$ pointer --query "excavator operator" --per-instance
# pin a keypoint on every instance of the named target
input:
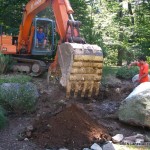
(41, 40)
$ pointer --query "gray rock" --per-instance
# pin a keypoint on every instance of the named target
(147, 138)
(117, 138)
(29, 128)
(63, 149)
(135, 109)
(133, 138)
(26, 139)
(15, 88)
(86, 149)
(32, 87)
(139, 141)
(96, 147)
(108, 146)
(9, 86)
(136, 77)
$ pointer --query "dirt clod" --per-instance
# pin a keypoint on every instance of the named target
(71, 128)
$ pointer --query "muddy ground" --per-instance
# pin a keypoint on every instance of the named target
(59, 122)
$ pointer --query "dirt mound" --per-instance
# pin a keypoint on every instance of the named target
(71, 128)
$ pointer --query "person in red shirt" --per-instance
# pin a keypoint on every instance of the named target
(144, 67)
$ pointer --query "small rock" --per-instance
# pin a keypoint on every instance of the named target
(30, 128)
(134, 137)
(127, 142)
(48, 125)
(26, 139)
(86, 149)
(93, 101)
(147, 138)
(62, 102)
(118, 90)
(117, 138)
(41, 92)
(108, 146)
(96, 147)
(139, 141)
(38, 115)
(63, 149)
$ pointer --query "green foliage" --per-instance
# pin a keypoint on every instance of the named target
(15, 79)
(20, 99)
(111, 57)
(83, 14)
(142, 28)
(107, 70)
(126, 73)
(11, 14)
(125, 29)
(2, 117)
(5, 63)
(148, 59)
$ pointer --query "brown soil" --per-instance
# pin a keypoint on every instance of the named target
(71, 128)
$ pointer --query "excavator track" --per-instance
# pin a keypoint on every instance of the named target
(30, 66)
(81, 67)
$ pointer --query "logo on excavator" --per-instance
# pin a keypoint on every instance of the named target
(35, 3)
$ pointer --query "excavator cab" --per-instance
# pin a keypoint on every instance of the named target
(46, 47)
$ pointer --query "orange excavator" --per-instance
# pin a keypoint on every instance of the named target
(80, 63)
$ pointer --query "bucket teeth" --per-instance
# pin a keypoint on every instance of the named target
(86, 79)
(97, 85)
(91, 89)
(77, 88)
(68, 90)
(84, 89)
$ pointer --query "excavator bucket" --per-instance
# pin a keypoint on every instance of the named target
(81, 68)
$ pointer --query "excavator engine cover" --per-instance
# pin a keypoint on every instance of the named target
(81, 68)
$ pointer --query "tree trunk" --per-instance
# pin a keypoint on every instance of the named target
(120, 50)
(131, 13)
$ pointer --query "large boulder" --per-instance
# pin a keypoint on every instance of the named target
(19, 97)
(135, 109)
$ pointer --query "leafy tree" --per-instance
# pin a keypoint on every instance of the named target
(124, 34)
(142, 27)
(10, 14)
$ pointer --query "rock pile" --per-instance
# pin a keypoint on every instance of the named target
(137, 139)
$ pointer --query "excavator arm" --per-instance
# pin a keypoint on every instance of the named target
(80, 63)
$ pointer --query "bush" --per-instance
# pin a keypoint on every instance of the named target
(2, 117)
(5, 63)
(19, 98)
(109, 70)
(125, 73)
